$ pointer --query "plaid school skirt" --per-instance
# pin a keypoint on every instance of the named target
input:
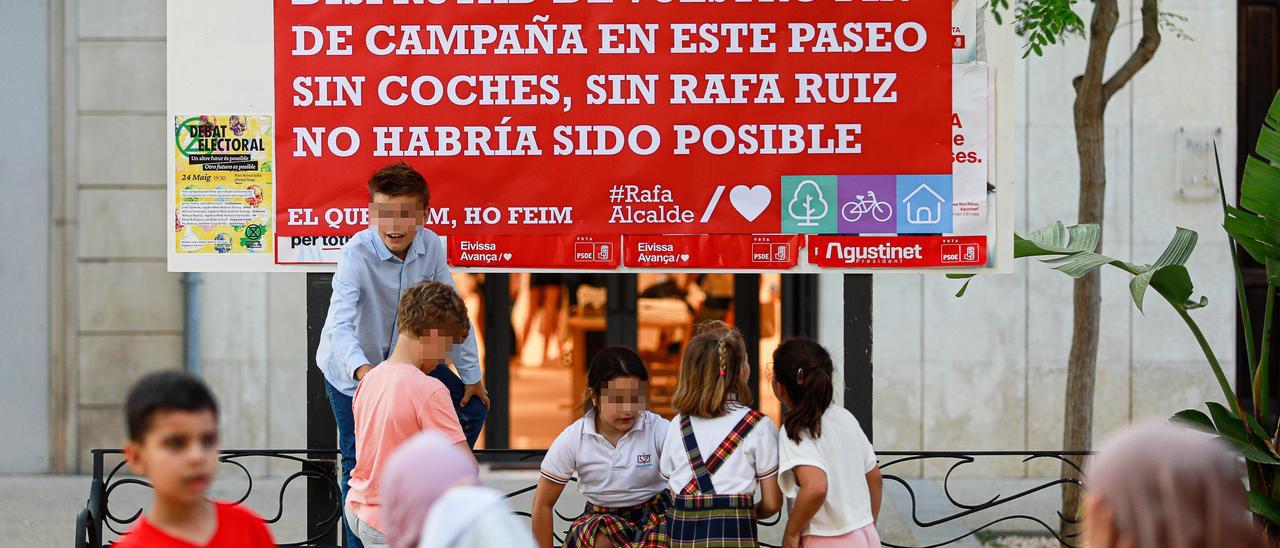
(712, 521)
(639, 526)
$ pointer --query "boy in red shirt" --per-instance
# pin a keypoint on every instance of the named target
(173, 441)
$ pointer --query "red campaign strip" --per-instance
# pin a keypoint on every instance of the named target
(897, 251)
(585, 252)
(764, 251)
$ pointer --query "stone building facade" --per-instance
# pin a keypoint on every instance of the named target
(87, 304)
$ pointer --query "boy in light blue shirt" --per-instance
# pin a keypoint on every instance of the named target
(374, 268)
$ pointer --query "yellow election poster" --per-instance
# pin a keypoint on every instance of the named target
(223, 188)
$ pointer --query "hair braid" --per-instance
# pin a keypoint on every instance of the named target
(720, 348)
(705, 389)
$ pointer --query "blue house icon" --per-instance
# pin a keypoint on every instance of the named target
(924, 204)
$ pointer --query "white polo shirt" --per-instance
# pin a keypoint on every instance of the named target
(755, 459)
(621, 476)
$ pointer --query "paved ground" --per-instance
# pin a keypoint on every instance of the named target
(40, 511)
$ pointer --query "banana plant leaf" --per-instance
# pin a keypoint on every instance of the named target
(1071, 250)
(1229, 425)
(1194, 419)
(1253, 445)
(1264, 507)
(1255, 224)
(1248, 451)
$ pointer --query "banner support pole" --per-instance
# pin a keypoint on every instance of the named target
(322, 429)
(857, 348)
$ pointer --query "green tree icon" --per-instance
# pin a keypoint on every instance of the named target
(807, 204)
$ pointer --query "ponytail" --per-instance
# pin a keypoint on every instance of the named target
(804, 369)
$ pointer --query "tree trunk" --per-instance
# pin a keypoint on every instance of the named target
(1089, 109)
(1077, 431)
(1092, 95)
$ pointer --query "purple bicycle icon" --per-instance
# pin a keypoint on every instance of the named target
(862, 205)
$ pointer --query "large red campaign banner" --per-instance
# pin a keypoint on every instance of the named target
(563, 117)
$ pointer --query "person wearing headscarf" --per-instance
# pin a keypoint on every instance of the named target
(431, 496)
(417, 474)
(1156, 485)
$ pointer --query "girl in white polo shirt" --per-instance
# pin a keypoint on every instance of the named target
(719, 451)
(613, 450)
(828, 468)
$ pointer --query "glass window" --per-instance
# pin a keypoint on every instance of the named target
(558, 322)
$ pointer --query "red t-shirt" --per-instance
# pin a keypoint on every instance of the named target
(237, 527)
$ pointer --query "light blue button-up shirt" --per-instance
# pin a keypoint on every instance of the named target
(361, 325)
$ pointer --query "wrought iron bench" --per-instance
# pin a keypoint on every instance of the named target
(318, 468)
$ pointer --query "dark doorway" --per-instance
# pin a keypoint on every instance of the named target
(1258, 79)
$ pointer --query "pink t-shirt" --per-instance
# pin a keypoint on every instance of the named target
(393, 402)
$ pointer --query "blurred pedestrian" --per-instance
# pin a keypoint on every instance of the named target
(1156, 485)
(431, 496)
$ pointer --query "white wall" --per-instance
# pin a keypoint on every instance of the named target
(24, 249)
(988, 371)
(254, 354)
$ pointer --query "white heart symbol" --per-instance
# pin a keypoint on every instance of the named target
(750, 201)
(684, 257)
(506, 256)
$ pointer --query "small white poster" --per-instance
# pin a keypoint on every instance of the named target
(970, 153)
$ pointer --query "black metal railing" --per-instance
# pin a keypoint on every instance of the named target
(1002, 505)
(320, 466)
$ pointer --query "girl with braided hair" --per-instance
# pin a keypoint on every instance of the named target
(720, 452)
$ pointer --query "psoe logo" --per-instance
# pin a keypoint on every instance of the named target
(960, 253)
(765, 252)
(644, 460)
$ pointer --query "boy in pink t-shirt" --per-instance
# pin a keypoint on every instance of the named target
(397, 399)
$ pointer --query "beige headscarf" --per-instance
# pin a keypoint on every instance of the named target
(1162, 486)
(418, 473)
